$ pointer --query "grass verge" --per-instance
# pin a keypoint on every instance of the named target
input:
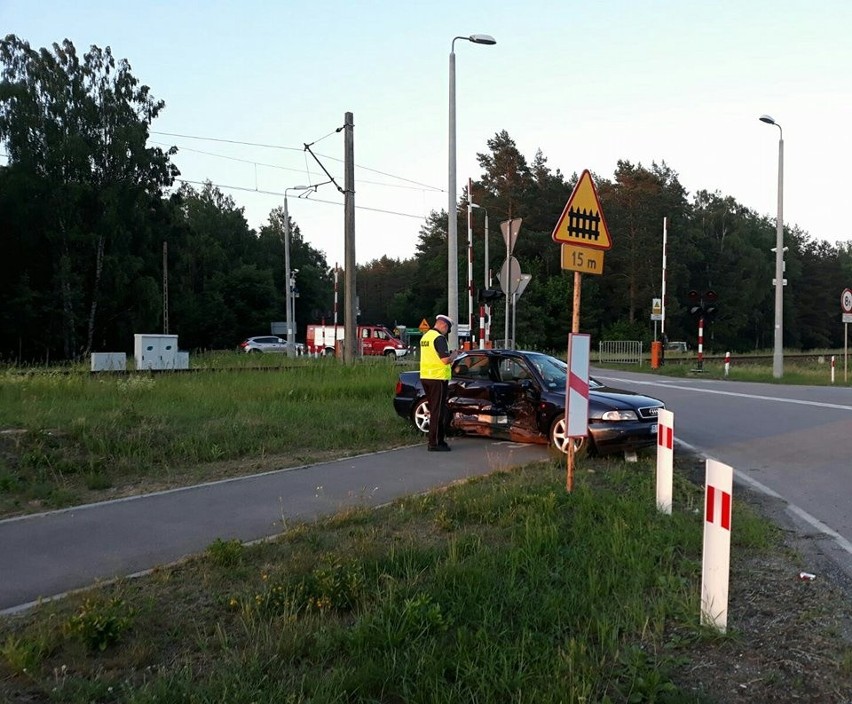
(72, 438)
(503, 589)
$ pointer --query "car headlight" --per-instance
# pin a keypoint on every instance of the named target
(620, 415)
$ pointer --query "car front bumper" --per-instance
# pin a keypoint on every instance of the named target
(623, 436)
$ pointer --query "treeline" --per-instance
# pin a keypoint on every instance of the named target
(93, 232)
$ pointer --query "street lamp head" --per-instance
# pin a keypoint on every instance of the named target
(768, 119)
(482, 39)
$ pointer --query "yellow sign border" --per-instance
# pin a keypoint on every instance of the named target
(584, 183)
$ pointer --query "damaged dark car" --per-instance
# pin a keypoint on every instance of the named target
(520, 396)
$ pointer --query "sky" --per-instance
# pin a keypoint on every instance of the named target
(247, 84)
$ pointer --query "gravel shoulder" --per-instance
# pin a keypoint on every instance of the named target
(789, 639)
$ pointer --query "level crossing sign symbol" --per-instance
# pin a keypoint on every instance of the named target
(582, 221)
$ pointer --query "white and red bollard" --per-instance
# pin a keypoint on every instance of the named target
(832, 369)
(727, 363)
(665, 460)
(481, 326)
(701, 344)
(716, 559)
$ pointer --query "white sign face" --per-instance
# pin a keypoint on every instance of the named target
(510, 230)
(847, 317)
(510, 276)
(577, 386)
(846, 300)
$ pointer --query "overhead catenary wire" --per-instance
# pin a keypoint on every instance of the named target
(308, 199)
(296, 149)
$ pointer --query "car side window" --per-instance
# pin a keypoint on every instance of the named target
(472, 366)
(513, 370)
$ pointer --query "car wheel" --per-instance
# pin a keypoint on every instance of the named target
(255, 351)
(420, 415)
(559, 440)
(390, 353)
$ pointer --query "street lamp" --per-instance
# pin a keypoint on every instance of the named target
(452, 225)
(778, 353)
(288, 277)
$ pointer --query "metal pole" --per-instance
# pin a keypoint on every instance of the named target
(507, 291)
(350, 329)
(514, 319)
(778, 356)
(288, 320)
(452, 224)
(336, 277)
(487, 285)
(470, 262)
(663, 301)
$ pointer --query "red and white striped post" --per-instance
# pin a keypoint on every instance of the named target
(701, 343)
(481, 326)
(335, 306)
(665, 460)
(716, 561)
(832, 369)
(470, 260)
(727, 363)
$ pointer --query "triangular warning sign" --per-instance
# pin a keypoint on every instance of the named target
(582, 222)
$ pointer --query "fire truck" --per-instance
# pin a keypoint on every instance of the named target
(376, 340)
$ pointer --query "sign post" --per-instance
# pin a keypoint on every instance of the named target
(510, 230)
(846, 306)
(583, 234)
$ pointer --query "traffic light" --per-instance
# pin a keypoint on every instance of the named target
(702, 306)
(489, 295)
(710, 307)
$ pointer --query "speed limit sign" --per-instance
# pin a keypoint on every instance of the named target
(846, 300)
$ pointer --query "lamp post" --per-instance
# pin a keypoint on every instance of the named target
(778, 353)
(288, 277)
(452, 224)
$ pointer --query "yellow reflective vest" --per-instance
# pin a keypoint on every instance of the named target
(431, 366)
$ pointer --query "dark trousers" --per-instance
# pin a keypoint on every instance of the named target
(436, 395)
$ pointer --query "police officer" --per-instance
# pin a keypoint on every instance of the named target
(435, 372)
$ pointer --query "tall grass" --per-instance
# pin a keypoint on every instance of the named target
(506, 589)
(65, 436)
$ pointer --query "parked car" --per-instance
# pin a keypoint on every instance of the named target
(521, 396)
(269, 343)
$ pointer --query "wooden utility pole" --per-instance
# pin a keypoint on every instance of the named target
(350, 325)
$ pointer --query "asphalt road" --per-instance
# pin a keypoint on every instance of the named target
(790, 442)
(49, 554)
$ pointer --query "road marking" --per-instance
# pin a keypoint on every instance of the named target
(800, 402)
(814, 522)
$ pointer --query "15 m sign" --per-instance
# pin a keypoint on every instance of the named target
(584, 259)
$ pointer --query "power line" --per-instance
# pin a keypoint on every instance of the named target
(277, 166)
(326, 156)
(311, 200)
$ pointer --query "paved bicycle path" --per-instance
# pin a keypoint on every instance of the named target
(48, 554)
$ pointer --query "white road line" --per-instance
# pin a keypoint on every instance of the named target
(778, 399)
(814, 522)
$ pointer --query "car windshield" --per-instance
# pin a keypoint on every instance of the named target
(553, 371)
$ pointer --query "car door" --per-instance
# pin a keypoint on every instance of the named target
(470, 399)
(514, 396)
